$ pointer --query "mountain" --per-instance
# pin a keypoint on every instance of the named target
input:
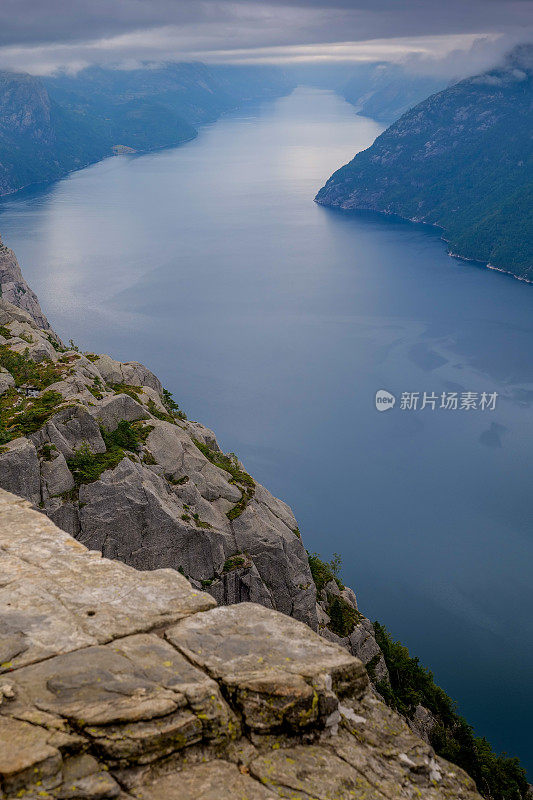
(387, 91)
(461, 160)
(53, 125)
(101, 448)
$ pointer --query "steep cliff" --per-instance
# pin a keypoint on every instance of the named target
(462, 160)
(123, 684)
(16, 291)
(104, 451)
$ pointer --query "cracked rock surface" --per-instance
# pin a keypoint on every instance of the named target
(116, 683)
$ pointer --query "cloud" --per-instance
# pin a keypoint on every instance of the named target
(42, 35)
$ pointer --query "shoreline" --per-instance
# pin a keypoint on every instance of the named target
(415, 220)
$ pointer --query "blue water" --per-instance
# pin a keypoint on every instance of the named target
(275, 321)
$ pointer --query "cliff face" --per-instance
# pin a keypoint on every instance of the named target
(462, 160)
(123, 684)
(99, 447)
(102, 449)
(15, 290)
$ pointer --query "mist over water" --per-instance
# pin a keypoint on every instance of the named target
(275, 321)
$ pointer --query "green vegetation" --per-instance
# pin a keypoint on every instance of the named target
(470, 178)
(24, 370)
(200, 523)
(171, 405)
(238, 508)
(126, 388)
(57, 347)
(176, 481)
(325, 571)
(234, 562)
(127, 435)
(5, 332)
(498, 777)
(47, 450)
(155, 412)
(20, 416)
(343, 618)
(87, 466)
(229, 463)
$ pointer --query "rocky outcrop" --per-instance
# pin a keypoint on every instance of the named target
(116, 683)
(101, 454)
(166, 496)
(15, 290)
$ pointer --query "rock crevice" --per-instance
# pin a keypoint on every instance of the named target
(116, 683)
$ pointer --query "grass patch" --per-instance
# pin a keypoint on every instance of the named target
(127, 437)
(239, 507)
(24, 370)
(200, 523)
(86, 466)
(229, 463)
(234, 562)
(176, 481)
(155, 412)
(21, 416)
(126, 388)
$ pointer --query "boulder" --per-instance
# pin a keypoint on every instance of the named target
(6, 380)
(56, 478)
(19, 469)
(68, 430)
(130, 372)
(112, 410)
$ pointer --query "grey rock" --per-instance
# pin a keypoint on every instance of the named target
(277, 669)
(6, 380)
(131, 685)
(68, 430)
(60, 597)
(423, 722)
(19, 469)
(111, 411)
(131, 514)
(15, 290)
(242, 585)
(56, 478)
(131, 373)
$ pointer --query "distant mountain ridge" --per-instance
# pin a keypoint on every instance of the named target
(53, 125)
(461, 160)
(388, 91)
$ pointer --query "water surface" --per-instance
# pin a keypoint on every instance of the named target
(275, 321)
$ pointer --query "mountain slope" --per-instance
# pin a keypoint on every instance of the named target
(462, 160)
(388, 91)
(53, 125)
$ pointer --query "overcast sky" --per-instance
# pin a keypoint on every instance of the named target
(42, 35)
